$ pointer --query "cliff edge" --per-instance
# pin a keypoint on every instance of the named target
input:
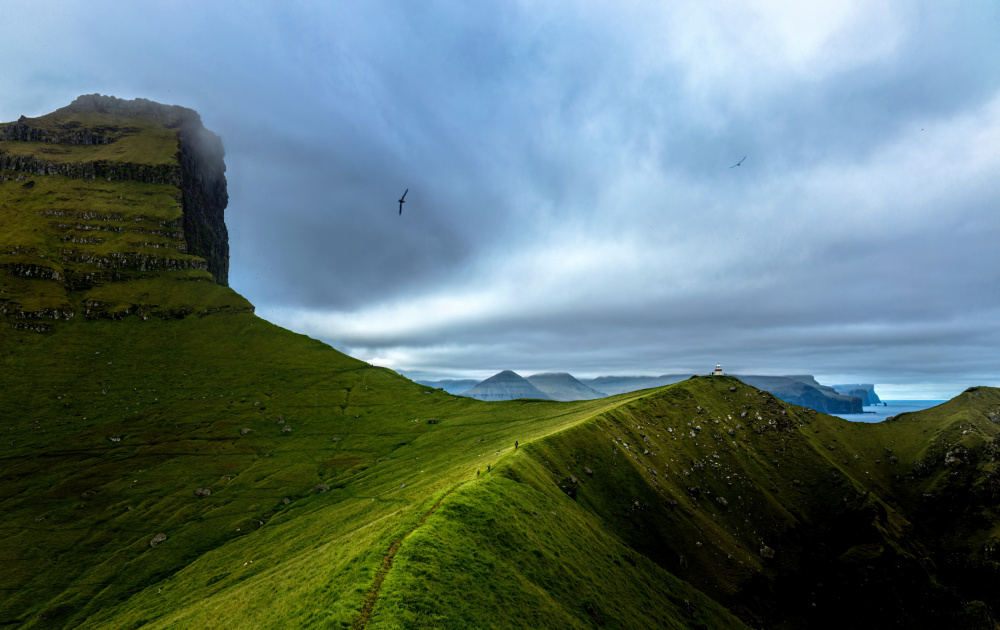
(181, 153)
(105, 205)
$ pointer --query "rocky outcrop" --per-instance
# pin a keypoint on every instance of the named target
(204, 196)
(199, 172)
(135, 261)
(112, 171)
(795, 390)
(864, 391)
(27, 270)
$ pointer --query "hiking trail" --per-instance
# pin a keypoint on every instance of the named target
(372, 596)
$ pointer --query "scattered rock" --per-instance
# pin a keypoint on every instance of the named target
(732, 389)
(596, 616)
(245, 431)
(286, 428)
(766, 552)
(694, 491)
(955, 456)
(286, 500)
(202, 492)
(570, 485)
(431, 421)
(321, 487)
(155, 540)
(336, 439)
(722, 501)
(588, 471)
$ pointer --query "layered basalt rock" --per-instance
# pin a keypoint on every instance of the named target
(198, 170)
(101, 203)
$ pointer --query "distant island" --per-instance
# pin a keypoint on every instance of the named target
(803, 390)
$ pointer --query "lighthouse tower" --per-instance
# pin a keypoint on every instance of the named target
(718, 370)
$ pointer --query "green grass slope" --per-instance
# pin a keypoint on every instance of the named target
(170, 460)
(111, 427)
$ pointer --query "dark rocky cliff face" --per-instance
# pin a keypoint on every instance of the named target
(111, 209)
(204, 197)
(202, 171)
(864, 391)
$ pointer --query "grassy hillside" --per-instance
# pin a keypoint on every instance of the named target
(170, 460)
(113, 425)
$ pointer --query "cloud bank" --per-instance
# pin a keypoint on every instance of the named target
(571, 205)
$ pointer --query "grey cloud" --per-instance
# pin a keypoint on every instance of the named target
(520, 128)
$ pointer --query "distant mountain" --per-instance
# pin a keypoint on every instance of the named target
(506, 385)
(452, 385)
(805, 392)
(613, 385)
(563, 386)
(865, 391)
(798, 389)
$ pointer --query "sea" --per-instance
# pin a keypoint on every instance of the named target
(878, 413)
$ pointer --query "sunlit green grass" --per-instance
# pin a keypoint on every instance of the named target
(136, 140)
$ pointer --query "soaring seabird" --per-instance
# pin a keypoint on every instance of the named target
(401, 202)
(738, 163)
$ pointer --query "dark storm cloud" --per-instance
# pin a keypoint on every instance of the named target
(571, 205)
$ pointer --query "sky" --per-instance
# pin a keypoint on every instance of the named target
(572, 202)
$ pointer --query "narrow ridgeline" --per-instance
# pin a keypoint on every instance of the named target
(105, 205)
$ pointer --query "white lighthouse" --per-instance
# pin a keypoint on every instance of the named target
(718, 370)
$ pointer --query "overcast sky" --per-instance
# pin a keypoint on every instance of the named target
(571, 204)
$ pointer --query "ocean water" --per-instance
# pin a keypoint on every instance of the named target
(878, 413)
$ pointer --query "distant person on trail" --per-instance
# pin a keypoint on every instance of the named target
(477, 473)
(515, 445)
(487, 468)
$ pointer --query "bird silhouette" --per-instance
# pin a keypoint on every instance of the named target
(738, 163)
(401, 202)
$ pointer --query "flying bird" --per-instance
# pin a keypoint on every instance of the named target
(401, 202)
(738, 163)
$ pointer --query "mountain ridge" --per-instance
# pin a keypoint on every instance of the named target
(563, 386)
(505, 385)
